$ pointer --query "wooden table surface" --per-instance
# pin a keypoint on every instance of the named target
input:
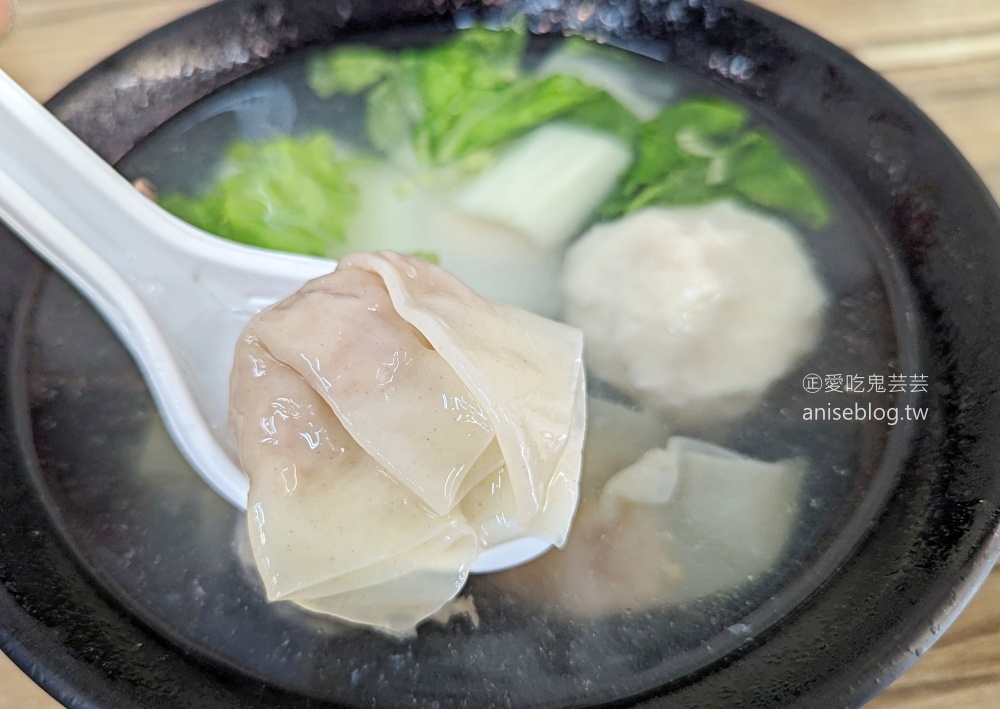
(944, 54)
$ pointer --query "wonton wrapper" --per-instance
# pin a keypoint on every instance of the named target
(684, 521)
(393, 425)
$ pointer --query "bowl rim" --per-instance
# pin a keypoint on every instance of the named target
(79, 98)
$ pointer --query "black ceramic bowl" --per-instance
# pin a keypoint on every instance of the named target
(122, 584)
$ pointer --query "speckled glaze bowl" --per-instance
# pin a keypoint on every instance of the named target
(123, 579)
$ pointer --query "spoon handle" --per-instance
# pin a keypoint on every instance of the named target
(119, 225)
(42, 189)
(176, 296)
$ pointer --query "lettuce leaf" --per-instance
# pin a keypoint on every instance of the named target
(463, 96)
(286, 193)
(702, 150)
(351, 71)
(764, 176)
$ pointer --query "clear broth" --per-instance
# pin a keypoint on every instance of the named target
(167, 548)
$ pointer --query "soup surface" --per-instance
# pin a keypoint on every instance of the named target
(175, 554)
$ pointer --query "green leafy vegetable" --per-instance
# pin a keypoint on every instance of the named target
(606, 114)
(287, 193)
(428, 256)
(464, 96)
(702, 150)
(454, 106)
(765, 177)
(350, 71)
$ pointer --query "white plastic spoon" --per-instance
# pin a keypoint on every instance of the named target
(176, 296)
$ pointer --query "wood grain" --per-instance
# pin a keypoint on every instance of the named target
(945, 55)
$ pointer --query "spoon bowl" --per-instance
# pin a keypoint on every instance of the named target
(177, 296)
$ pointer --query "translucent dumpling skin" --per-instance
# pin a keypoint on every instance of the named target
(394, 424)
(685, 520)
